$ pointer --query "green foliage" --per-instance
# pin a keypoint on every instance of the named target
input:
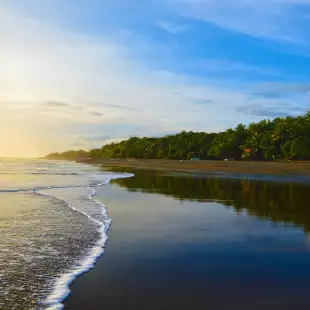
(300, 148)
(281, 138)
(72, 155)
(184, 145)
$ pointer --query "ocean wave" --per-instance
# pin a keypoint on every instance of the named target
(102, 179)
(91, 179)
(62, 285)
(36, 189)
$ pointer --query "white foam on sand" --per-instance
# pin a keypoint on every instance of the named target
(61, 287)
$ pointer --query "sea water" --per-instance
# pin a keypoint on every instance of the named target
(52, 229)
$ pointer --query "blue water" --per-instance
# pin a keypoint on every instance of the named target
(180, 242)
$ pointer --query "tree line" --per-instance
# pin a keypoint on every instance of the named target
(281, 138)
(68, 155)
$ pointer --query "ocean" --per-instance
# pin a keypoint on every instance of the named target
(52, 229)
(177, 240)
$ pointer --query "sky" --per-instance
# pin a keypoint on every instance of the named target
(78, 74)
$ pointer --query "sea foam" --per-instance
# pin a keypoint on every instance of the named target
(61, 286)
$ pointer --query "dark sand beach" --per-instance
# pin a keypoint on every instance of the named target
(179, 242)
(277, 170)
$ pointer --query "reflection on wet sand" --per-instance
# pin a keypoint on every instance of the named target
(279, 202)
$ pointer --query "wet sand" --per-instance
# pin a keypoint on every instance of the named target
(213, 167)
(166, 253)
(268, 171)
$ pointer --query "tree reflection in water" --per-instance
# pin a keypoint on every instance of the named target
(279, 202)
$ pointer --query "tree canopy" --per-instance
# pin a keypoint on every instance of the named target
(280, 138)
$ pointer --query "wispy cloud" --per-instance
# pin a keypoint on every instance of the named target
(279, 20)
(56, 104)
(94, 113)
(114, 106)
(232, 66)
(269, 112)
(285, 88)
(171, 27)
(196, 100)
(269, 94)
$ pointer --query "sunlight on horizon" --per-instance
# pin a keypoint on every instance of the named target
(18, 140)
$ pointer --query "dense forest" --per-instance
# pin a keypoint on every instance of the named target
(280, 138)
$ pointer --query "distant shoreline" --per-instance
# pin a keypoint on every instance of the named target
(277, 171)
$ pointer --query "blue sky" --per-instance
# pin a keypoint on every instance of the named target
(84, 73)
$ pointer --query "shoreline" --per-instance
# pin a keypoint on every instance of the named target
(61, 289)
(272, 171)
